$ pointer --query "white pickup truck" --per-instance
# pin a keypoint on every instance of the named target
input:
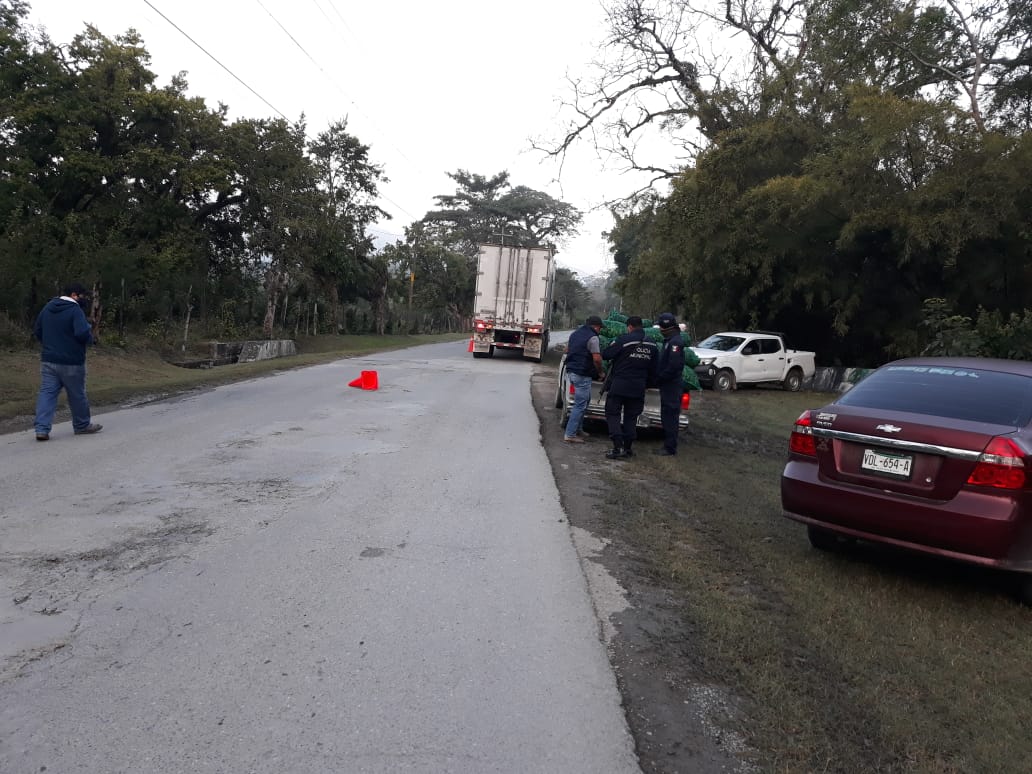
(731, 358)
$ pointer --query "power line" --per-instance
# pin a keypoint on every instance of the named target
(343, 93)
(214, 59)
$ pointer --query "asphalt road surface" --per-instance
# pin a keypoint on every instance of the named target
(293, 575)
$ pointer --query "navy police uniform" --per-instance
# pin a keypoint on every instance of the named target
(670, 380)
(632, 368)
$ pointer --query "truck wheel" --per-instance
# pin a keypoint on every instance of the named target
(481, 354)
(793, 381)
(724, 381)
(559, 390)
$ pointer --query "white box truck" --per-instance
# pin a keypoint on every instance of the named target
(513, 301)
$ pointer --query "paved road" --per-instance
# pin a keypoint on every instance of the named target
(290, 575)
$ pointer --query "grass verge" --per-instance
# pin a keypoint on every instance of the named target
(117, 375)
(868, 660)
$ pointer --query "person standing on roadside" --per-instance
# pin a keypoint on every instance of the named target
(632, 368)
(670, 381)
(64, 332)
(583, 364)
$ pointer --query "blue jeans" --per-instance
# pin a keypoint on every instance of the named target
(581, 396)
(53, 377)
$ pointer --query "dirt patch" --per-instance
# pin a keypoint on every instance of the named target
(681, 722)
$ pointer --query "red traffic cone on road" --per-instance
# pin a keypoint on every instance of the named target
(368, 380)
(470, 349)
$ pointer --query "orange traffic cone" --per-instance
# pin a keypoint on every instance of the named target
(370, 380)
(470, 349)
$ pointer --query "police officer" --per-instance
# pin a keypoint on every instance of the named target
(670, 381)
(583, 363)
(632, 368)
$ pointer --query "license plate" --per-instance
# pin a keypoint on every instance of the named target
(897, 465)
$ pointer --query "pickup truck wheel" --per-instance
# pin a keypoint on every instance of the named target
(724, 381)
(793, 381)
(564, 415)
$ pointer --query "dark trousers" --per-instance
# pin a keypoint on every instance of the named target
(670, 413)
(622, 430)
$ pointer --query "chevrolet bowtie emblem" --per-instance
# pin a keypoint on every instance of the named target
(889, 428)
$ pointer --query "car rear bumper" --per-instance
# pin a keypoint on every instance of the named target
(974, 527)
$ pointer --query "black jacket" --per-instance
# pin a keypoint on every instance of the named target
(633, 365)
(671, 361)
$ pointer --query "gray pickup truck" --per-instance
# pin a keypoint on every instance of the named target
(596, 411)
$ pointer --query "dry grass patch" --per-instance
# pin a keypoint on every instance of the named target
(871, 660)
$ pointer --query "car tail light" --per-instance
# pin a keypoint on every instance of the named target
(1001, 466)
(572, 390)
(802, 441)
(686, 401)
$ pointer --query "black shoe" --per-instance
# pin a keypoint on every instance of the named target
(628, 453)
(89, 430)
(616, 454)
(664, 453)
(42, 436)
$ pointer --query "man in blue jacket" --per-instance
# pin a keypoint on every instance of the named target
(583, 364)
(631, 370)
(670, 380)
(65, 333)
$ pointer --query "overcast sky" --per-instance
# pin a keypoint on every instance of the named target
(431, 86)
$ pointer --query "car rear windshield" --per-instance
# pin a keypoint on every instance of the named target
(722, 343)
(989, 397)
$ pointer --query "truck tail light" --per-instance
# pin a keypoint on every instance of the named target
(1000, 466)
(686, 401)
(534, 329)
(483, 325)
(802, 440)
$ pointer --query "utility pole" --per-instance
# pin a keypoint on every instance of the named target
(411, 287)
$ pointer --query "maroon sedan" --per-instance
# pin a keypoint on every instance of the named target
(927, 454)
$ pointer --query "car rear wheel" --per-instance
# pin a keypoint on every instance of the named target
(822, 539)
(723, 381)
(1023, 588)
(793, 381)
(559, 390)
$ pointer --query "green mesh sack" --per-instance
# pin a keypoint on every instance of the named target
(617, 317)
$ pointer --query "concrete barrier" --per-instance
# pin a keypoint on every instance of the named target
(251, 351)
(835, 379)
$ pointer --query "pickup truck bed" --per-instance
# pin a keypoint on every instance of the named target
(596, 411)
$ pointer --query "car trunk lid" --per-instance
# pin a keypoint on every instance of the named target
(898, 451)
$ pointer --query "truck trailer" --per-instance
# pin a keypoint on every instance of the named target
(513, 300)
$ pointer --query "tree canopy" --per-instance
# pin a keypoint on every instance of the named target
(837, 163)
